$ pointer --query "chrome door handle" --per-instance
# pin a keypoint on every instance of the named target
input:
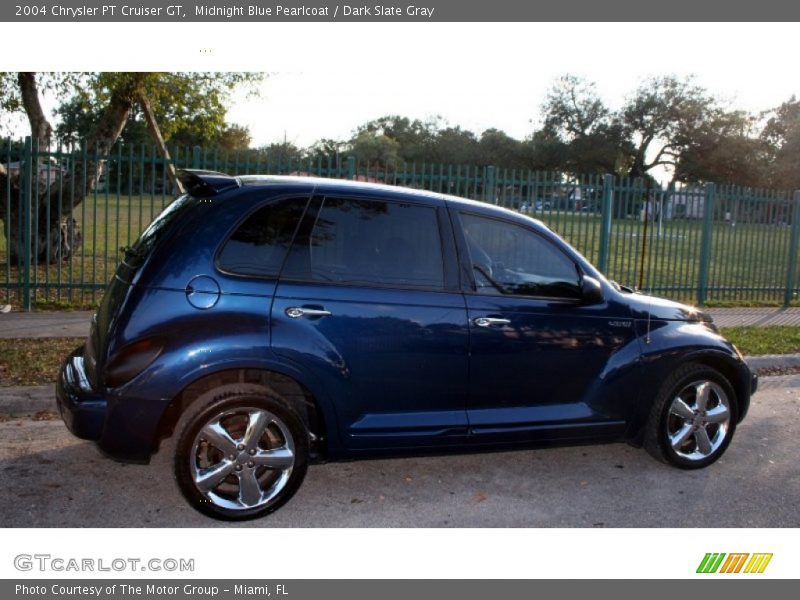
(489, 321)
(295, 312)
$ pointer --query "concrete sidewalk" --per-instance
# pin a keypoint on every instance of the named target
(46, 324)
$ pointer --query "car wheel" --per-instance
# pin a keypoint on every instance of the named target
(693, 418)
(242, 452)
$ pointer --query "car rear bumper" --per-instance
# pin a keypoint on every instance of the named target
(82, 409)
(123, 427)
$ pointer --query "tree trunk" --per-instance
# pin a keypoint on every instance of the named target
(70, 189)
(41, 131)
(155, 132)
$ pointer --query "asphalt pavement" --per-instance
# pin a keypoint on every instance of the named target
(52, 479)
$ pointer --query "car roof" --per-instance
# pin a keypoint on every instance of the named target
(322, 184)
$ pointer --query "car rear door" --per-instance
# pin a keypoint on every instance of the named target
(369, 304)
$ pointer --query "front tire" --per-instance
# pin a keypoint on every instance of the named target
(242, 452)
(693, 418)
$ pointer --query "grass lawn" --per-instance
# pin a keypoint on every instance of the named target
(775, 339)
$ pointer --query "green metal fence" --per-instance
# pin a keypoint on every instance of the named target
(711, 243)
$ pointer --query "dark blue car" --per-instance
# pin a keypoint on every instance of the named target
(260, 323)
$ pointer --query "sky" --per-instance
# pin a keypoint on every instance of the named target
(497, 75)
(326, 79)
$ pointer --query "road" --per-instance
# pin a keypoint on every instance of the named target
(51, 479)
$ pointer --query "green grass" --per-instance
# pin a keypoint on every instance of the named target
(747, 262)
(775, 339)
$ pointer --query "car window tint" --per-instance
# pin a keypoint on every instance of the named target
(259, 244)
(510, 259)
(372, 242)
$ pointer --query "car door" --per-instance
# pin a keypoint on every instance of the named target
(543, 363)
(369, 304)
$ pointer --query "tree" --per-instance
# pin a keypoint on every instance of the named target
(496, 147)
(414, 138)
(725, 149)
(282, 153)
(587, 136)
(572, 109)
(102, 105)
(782, 135)
(373, 147)
(662, 118)
(453, 145)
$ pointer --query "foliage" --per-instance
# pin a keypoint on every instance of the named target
(667, 124)
(782, 136)
(190, 108)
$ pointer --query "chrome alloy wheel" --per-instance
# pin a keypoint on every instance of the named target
(242, 458)
(698, 420)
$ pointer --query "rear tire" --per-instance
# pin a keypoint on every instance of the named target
(693, 418)
(241, 452)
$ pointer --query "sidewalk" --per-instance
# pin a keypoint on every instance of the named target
(45, 324)
(76, 323)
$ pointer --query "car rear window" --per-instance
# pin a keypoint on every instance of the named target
(259, 244)
(156, 231)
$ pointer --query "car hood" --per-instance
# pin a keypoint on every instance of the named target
(667, 310)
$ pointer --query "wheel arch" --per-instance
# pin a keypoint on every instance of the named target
(298, 395)
(659, 367)
(731, 370)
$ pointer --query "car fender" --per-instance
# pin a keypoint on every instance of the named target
(666, 345)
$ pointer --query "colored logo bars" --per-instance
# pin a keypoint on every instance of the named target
(718, 563)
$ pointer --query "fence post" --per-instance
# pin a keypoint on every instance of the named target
(26, 192)
(489, 186)
(197, 157)
(351, 167)
(705, 243)
(606, 213)
(791, 263)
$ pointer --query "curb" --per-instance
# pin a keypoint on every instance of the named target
(773, 361)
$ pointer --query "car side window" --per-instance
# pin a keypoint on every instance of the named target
(372, 242)
(259, 244)
(510, 259)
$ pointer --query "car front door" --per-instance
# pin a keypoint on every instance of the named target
(368, 302)
(544, 364)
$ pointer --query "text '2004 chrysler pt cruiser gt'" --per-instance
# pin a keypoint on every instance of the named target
(263, 322)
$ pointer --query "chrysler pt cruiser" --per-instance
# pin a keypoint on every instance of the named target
(261, 323)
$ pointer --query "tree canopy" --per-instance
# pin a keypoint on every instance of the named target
(100, 108)
(667, 125)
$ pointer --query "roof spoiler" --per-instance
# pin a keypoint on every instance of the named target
(201, 183)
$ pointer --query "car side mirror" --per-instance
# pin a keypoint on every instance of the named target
(591, 290)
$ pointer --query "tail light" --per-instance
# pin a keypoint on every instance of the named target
(131, 360)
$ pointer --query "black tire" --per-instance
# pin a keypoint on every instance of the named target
(663, 418)
(232, 407)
